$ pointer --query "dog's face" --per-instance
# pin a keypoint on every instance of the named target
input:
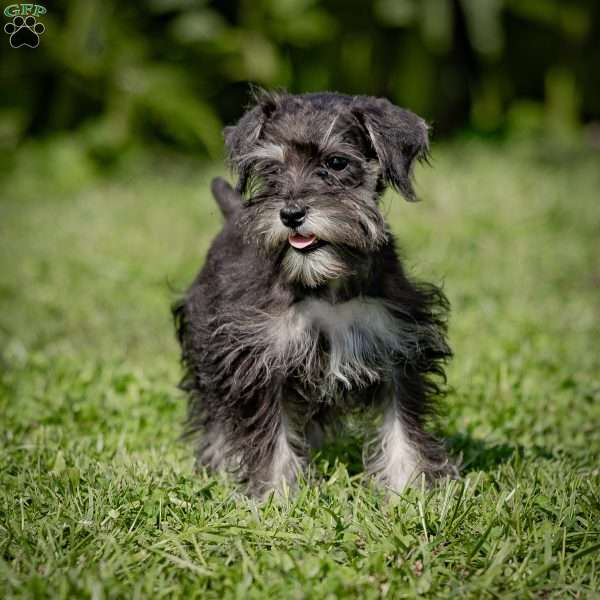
(313, 168)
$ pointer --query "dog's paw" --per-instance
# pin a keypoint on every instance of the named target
(24, 32)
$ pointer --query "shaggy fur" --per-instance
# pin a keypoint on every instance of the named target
(280, 342)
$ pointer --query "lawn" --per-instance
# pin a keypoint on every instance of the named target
(98, 497)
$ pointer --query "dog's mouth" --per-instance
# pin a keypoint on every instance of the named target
(305, 243)
(301, 242)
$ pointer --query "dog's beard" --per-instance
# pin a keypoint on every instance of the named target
(316, 267)
(344, 230)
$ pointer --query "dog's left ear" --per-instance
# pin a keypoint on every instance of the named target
(399, 137)
(241, 139)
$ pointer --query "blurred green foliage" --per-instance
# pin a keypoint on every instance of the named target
(110, 77)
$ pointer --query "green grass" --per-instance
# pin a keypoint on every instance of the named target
(98, 497)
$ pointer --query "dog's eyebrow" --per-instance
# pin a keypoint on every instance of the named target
(340, 140)
(268, 150)
(329, 130)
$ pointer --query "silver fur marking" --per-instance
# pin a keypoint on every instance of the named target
(266, 151)
(391, 457)
(285, 464)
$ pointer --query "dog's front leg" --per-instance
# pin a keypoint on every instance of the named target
(282, 453)
(286, 462)
(402, 449)
(392, 457)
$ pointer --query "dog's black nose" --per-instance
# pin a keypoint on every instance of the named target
(292, 215)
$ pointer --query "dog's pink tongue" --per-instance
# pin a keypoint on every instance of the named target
(301, 241)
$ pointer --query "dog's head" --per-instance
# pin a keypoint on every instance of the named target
(313, 168)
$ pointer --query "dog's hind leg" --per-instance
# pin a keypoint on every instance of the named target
(322, 426)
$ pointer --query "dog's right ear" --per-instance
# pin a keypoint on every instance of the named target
(398, 136)
(241, 139)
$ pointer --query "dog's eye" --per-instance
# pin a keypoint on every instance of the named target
(337, 163)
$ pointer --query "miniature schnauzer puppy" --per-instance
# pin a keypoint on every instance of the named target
(302, 312)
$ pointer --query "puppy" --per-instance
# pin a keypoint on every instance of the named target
(302, 312)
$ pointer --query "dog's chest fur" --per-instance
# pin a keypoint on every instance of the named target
(333, 348)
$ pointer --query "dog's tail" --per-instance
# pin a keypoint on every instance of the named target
(227, 198)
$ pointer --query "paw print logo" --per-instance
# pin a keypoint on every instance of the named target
(24, 32)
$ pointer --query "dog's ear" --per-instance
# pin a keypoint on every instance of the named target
(241, 139)
(398, 136)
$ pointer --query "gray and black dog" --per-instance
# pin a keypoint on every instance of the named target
(302, 312)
